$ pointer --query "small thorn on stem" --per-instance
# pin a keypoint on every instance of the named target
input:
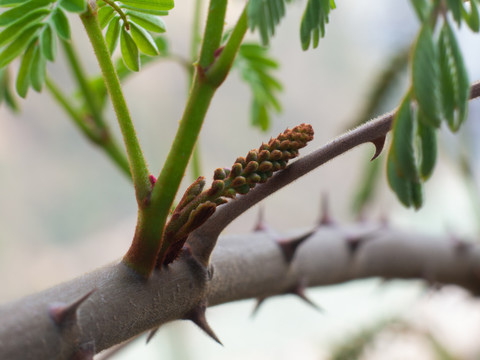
(85, 351)
(260, 225)
(259, 303)
(299, 290)
(61, 313)
(325, 218)
(379, 143)
(197, 315)
(460, 246)
(354, 243)
(290, 246)
(151, 334)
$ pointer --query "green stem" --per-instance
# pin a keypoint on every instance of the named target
(142, 255)
(196, 163)
(136, 159)
(217, 73)
(81, 78)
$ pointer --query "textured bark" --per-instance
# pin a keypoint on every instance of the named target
(248, 266)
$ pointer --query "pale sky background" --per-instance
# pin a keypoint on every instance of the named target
(64, 209)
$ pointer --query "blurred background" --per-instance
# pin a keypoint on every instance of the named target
(65, 208)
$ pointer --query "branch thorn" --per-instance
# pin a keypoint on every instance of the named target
(197, 315)
(259, 302)
(290, 246)
(152, 334)
(325, 218)
(61, 313)
(86, 351)
(299, 290)
(379, 143)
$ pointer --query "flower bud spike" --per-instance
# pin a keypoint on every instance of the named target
(197, 316)
(290, 246)
(63, 314)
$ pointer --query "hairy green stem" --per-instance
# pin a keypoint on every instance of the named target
(213, 32)
(219, 70)
(138, 165)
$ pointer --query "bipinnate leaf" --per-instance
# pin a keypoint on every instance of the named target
(425, 76)
(265, 15)
(60, 23)
(314, 19)
(129, 51)
(23, 76)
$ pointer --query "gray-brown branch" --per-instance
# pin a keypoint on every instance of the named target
(250, 266)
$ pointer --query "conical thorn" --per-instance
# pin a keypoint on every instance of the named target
(290, 246)
(260, 225)
(151, 334)
(197, 315)
(299, 290)
(259, 303)
(354, 243)
(325, 218)
(460, 246)
(379, 143)
(62, 314)
(85, 351)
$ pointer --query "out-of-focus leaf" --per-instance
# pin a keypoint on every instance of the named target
(428, 149)
(38, 69)
(76, 6)
(472, 19)
(23, 76)
(48, 43)
(129, 51)
(15, 48)
(455, 8)
(11, 2)
(425, 73)
(60, 24)
(265, 15)
(312, 27)
(422, 8)
(16, 13)
(13, 30)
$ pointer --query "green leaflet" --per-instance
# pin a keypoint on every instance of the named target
(312, 27)
(408, 192)
(23, 77)
(11, 2)
(48, 43)
(455, 7)
(129, 51)
(6, 94)
(38, 69)
(105, 15)
(13, 30)
(15, 48)
(454, 79)
(113, 33)
(428, 149)
(144, 11)
(156, 5)
(422, 8)
(425, 73)
(146, 21)
(403, 140)
(265, 15)
(144, 40)
(472, 18)
(76, 6)
(60, 24)
(16, 13)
